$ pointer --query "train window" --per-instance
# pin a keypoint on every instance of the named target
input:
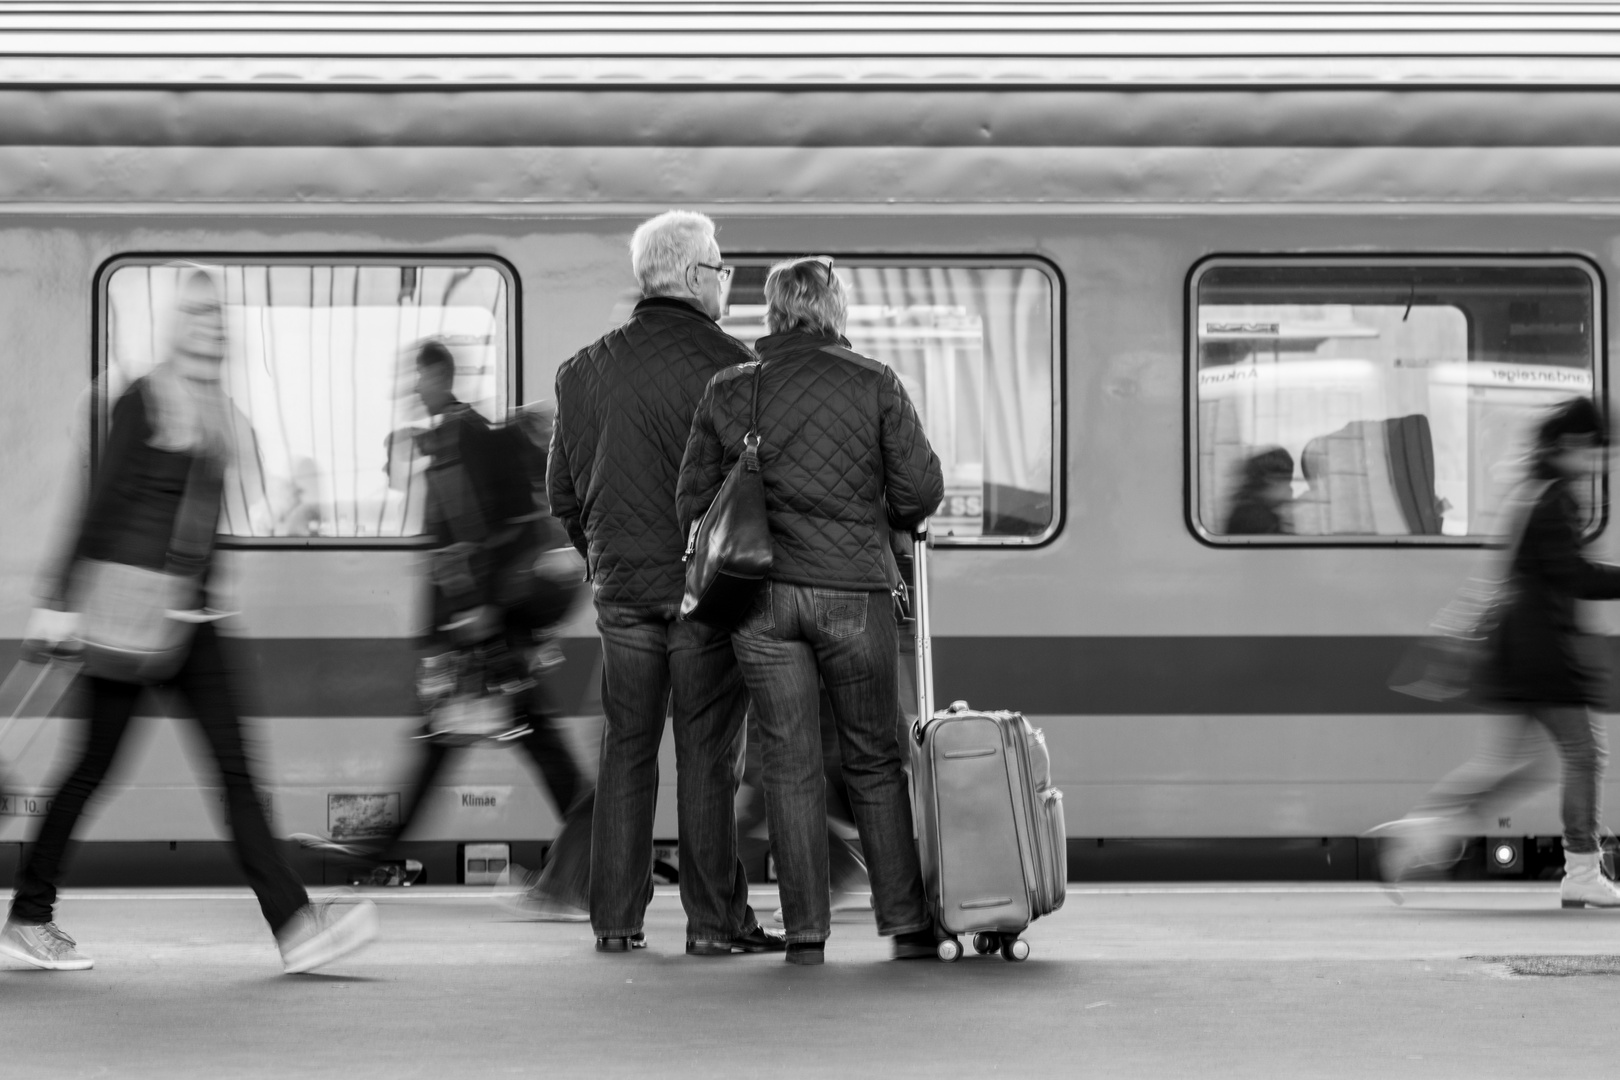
(974, 343)
(1377, 400)
(320, 372)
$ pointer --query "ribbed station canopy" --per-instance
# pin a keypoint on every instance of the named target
(763, 44)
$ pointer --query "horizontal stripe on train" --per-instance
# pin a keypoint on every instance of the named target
(1075, 676)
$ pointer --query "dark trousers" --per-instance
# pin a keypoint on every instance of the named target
(653, 663)
(204, 683)
(793, 635)
(567, 874)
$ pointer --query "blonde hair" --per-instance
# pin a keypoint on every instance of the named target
(663, 247)
(189, 414)
(804, 294)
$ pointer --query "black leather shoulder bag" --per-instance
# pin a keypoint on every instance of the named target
(729, 554)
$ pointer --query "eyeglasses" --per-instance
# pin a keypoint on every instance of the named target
(721, 270)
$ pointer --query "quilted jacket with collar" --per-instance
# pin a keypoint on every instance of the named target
(839, 442)
(624, 408)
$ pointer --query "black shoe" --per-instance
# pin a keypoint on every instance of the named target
(621, 944)
(757, 940)
(760, 939)
(917, 945)
(807, 952)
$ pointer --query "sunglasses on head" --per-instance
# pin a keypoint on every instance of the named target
(823, 261)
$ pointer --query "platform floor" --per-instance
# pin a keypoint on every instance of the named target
(1144, 981)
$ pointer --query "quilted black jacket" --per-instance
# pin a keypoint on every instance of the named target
(624, 409)
(839, 442)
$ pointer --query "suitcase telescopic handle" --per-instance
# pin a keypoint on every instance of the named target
(921, 608)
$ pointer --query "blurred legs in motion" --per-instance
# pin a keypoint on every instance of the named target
(1513, 760)
(203, 682)
(561, 891)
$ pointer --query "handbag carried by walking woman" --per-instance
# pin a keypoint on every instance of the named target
(136, 623)
(1451, 663)
(729, 553)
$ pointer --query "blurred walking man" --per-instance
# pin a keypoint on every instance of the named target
(624, 410)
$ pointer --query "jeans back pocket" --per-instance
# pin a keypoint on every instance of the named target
(840, 614)
(761, 617)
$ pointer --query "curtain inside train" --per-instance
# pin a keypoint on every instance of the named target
(320, 373)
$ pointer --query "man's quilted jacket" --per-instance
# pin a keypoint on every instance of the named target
(624, 408)
(841, 449)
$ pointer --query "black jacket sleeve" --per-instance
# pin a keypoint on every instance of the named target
(128, 432)
(1553, 534)
(566, 506)
(701, 473)
(914, 483)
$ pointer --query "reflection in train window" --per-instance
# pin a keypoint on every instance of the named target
(1378, 400)
(974, 345)
(320, 372)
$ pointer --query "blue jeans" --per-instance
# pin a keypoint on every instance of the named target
(650, 661)
(793, 634)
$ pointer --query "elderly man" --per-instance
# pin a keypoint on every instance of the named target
(624, 410)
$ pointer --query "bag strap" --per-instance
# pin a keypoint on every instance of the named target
(750, 451)
(194, 525)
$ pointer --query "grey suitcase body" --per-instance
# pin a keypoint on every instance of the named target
(989, 822)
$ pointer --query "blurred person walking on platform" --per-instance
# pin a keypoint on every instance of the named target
(624, 409)
(133, 586)
(844, 460)
(1542, 669)
(497, 593)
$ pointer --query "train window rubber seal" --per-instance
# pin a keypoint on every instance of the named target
(100, 407)
(1503, 260)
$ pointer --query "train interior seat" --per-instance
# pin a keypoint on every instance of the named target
(1370, 478)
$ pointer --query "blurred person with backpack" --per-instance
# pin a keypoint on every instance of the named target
(497, 592)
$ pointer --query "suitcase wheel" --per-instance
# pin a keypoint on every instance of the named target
(949, 950)
(1014, 949)
(984, 943)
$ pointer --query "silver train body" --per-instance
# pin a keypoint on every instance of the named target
(1189, 686)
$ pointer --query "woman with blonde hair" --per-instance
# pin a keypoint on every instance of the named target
(133, 588)
(844, 460)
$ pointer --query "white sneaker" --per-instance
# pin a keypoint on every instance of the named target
(42, 945)
(1584, 884)
(1412, 844)
(320, 933)
(310, 841)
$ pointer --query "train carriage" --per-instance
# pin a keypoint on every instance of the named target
(1119, 253)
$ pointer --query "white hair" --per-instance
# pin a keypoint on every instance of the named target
(663, 247)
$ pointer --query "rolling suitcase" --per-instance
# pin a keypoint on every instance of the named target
(989, 822)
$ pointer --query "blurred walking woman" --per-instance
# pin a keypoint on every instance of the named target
(844, 459)
(147, 532)
(1543, 670)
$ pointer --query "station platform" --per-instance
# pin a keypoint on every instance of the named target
(1152, 980)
